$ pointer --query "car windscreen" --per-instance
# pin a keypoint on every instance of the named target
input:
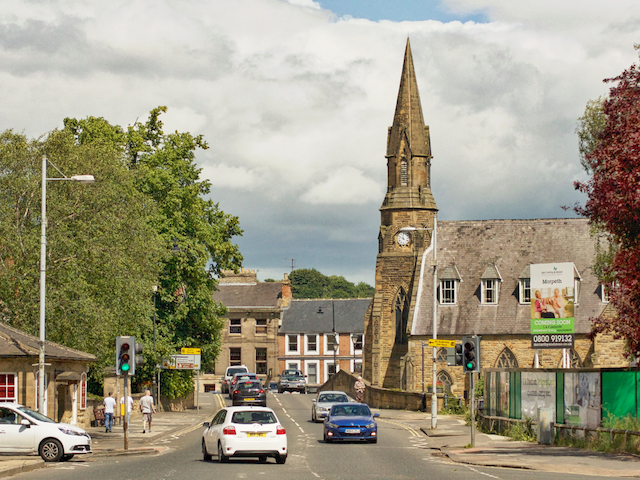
(232, 371)
(249, 386)
(333, 398)
(249, 417)
(36, 415)
(350, 411)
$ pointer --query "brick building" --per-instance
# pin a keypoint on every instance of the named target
(306, 337)
(482, 274)
(250, 332)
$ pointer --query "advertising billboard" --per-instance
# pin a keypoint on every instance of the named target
(552, 299)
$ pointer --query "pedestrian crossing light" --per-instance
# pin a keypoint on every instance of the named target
(125, 361)
(454, 356)
(471, 354)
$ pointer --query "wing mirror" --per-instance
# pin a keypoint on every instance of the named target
(205, 424)
(25, 422)
(376, 415)
(313, 400)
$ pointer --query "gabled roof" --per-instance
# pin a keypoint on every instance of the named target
(509, 246)
(303, 316)
(250, 295)
(16, 343)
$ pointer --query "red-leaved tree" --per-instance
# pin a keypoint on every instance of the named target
(613, 204)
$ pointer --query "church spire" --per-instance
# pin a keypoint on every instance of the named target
(408, 116)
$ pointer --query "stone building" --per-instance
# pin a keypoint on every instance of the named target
(65, 398)
(306, 337)
(250, 332)
(481, 270)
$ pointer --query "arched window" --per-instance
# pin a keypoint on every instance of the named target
(404, 172)
(506, 359)
(402, 315)
(445, 379)
(441, 356)
(576, 362)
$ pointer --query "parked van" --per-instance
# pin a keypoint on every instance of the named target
(229, 373)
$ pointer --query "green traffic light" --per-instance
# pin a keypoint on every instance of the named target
(125, 367)
(470, 366)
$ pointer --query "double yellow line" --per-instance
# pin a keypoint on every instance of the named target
(411, 430)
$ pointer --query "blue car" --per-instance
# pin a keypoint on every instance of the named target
(349, 422)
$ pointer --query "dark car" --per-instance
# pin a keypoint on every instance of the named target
(292, 381)
(349, 422)
(249, 392)
(240, 377)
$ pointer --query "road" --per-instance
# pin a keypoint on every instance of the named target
(402, 452)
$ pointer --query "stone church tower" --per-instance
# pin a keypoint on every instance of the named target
(408, 203)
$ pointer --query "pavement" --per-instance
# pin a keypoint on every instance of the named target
(451, 438)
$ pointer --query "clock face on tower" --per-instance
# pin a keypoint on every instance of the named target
(403, 239)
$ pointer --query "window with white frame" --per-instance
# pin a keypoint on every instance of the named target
(311, 346)
(329, 343)
(490, 291)
(8, 387)
(605, 291)
(292, 344)
(329, 369)
(525, 290)
(356, 342)
(293, 365)
(448, 292)
(311, 369)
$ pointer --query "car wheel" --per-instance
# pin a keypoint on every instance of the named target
(313, 416)
(262, 459)
(222, 458)
(205, 455)
(51, 450)
(280, 390)
(326, 439)
(373, 440)
(280, 459)
(66, 458)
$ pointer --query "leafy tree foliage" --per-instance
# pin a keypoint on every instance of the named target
(612, 157)
(102, 251)
(310, 283)
(146, 221)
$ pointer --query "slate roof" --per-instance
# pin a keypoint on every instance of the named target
(302, 316)
(254, 295)
(509, 247)
(16, 343)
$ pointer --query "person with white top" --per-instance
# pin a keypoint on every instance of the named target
(109, 405)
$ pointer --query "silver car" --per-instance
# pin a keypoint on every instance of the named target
(323, 403)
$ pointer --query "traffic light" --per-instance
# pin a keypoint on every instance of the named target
(138, 358)
(454, 356)
(125, 363)
(471, 354)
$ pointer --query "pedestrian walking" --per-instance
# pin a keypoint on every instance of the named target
(148, 409)
(109, 404)
(359, 388)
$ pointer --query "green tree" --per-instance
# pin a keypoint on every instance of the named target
(310, 283)
(102, 251)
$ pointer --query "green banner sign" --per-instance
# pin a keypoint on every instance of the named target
(551, 325)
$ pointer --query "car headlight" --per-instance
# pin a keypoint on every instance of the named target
(69, 431)
(322, 409)
(331, 425)
(371, 425)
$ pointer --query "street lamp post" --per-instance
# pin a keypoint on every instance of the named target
(333, 330)
(155, 383)
(84, 179)
(354, 339)
(434, 395)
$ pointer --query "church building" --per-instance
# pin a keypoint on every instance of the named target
(481, 271)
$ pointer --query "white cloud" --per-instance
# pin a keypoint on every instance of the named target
(295, 102)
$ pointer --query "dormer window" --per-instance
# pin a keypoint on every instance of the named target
(449, 281)
(524, 286)
(490, 285)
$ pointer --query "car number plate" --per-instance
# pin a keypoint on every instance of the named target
(352, 430)
(256, 434)
(249, 399)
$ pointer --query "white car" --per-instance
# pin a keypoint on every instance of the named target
(245, 432)
(323, 403)
(228, 376)
(25, 431)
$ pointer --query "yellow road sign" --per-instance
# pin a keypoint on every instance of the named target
(442, 343)
(190, 351)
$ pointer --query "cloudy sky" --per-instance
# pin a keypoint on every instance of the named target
(295, 98)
